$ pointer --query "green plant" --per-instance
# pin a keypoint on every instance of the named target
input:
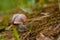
(31, 26)
(7, 5)
(59, 4)
(15, 33)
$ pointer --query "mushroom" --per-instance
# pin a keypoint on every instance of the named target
(19, 19)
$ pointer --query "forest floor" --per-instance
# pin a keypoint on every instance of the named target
(45, 25)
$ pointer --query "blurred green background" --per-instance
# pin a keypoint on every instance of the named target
(25, 5)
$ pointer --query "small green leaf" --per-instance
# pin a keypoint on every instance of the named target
(15, 33)
(31, 26)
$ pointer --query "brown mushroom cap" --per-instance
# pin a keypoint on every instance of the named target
(19, 18)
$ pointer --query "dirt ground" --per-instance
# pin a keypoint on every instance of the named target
(45, 26)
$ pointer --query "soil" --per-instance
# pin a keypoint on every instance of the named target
(44, 27)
